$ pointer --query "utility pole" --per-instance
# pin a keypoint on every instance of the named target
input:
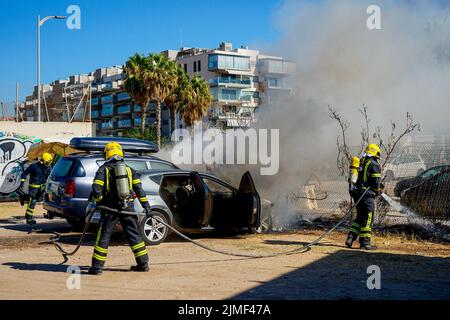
(39, 24)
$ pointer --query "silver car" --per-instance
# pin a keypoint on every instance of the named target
(195, 202)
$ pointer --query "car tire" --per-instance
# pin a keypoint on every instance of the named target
(76, 223)
(265, 226)
(152, 232)
(389, 176)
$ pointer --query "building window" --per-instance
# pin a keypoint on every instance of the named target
(123, 109)
(185, 67)
(94, 114)
(107, 110)
(106, 99)
(123, 96)
(122, 123)
(195, 66)
(199, 66)
(108, 124)
(94, 101)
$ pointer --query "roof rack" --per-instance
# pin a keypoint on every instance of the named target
(128, 144)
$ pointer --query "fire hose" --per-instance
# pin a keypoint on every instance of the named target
(56, 236)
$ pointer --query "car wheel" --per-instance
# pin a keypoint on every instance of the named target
(77, 224)
(152, 230)
(265, 226)
(389, 176)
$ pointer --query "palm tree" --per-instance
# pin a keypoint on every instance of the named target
(179, 96)
(160, 78)
(198, 101)
(135, 69)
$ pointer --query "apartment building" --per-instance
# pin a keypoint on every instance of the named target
(241, 81)
(99, 97)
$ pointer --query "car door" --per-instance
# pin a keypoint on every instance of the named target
(250, 202)
(203, 200)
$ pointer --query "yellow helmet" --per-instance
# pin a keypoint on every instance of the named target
(112, 149)
(46, 158)
(373, 150)
(355, 163)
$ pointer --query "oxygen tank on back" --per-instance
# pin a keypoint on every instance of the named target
(353, 173)
(122, 181)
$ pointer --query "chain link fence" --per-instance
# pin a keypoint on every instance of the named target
(417, 185)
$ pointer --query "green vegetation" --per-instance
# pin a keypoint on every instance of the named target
(156, 78)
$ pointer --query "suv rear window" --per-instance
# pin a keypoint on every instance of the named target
(63, 167)
(138, 165)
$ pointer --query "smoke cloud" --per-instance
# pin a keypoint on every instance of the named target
(403, 67)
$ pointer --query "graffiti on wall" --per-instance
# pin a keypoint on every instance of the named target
(13, 149)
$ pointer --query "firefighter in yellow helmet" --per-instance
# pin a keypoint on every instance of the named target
(369, 177)
(38, 172)
(116, 186)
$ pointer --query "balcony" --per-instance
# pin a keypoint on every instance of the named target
(274, 66)
(228, 62)
(231, 82)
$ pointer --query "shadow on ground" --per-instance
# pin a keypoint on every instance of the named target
(343, 275)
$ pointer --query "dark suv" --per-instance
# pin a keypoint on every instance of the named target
(70, 182)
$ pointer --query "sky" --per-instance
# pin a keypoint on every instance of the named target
(113, 30)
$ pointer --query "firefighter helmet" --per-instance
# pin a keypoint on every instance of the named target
(112, 149)
(373, 150)
(46, 158)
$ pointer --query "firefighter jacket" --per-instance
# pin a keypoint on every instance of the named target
(38, 174)
(105, 190)
(370, 176)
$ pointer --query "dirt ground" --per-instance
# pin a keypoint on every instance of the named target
(180, 270)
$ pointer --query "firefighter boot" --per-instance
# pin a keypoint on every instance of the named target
(350, 238)
(141, 267)
(30, 220)
(95, 271)
(365, 244)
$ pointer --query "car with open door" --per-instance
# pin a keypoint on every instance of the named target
(194, 202)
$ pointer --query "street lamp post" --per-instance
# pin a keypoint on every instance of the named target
(39, 24)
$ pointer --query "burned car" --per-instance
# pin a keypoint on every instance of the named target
(195, 202)
(431, 197)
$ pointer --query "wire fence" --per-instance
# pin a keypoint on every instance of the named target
(417, 183)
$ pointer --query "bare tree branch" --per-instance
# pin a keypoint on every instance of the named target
(343, 157)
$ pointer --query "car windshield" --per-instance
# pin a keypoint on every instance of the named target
(430, 173)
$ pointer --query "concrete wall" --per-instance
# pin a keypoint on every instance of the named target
(44, 130)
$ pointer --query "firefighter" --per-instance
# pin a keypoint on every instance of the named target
(369, 177)
(116, 186)
(39, 172)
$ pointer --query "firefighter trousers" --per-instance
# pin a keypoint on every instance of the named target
(35, 195)
(130, 228)
(362, 225)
